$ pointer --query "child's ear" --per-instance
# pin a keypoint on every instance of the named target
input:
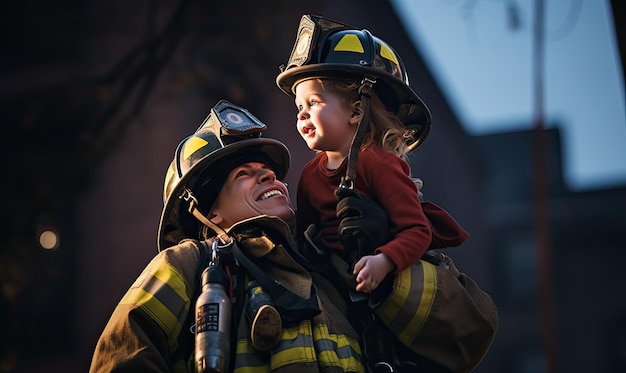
(357, 112)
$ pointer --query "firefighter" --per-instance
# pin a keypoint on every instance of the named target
(226, 224)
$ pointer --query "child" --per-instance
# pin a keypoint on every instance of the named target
(349, 85)
(356, 109)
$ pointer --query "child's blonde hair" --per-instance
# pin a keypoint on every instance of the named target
(385, 127)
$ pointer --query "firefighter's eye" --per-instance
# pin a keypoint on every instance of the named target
(241, 173)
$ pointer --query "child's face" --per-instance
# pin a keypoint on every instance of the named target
(325, 121)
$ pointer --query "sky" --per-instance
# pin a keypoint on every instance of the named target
(484, 66)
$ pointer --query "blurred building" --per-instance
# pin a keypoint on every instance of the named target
(584, 262)
(95, 96)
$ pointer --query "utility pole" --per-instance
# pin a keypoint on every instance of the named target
(543, 245)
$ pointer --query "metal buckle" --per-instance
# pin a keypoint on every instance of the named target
(366, 86)
(346, 183)
(187, 196)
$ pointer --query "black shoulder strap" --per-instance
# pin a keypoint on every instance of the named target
(291, 307)
(365, 90)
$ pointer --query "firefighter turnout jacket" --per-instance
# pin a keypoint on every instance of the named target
(151, 330)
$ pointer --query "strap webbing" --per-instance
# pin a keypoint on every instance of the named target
(365, 92)
(292, 307)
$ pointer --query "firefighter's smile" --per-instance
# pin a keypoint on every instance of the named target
(269, 194)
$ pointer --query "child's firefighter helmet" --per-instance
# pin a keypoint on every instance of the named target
(329, 49)
(230, 136)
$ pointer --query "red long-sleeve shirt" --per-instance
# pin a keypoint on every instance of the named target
(381, 176)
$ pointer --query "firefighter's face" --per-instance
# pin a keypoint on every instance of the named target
(250, 190)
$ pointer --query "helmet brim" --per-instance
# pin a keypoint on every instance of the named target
(176, 222)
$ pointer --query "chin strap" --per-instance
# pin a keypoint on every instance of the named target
(193, 209)
(365, 91)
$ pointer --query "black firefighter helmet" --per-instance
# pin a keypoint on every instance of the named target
(329, 49)
(228, 137)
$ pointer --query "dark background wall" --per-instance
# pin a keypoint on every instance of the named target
(95, 96)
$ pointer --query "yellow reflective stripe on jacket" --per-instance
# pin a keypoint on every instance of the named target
(254, 361)
(337, 350)
(162, 295)
(295, 346)
(410, 302)
(302, 344)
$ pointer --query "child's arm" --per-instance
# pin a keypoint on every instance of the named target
(396, 192)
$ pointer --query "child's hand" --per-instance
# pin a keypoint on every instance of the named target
(370, 271)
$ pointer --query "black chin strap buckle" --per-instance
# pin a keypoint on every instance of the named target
(365, 89)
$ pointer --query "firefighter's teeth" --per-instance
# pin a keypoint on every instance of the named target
(267, 195)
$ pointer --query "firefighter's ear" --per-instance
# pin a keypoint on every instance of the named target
(357, 112)
(215, 218)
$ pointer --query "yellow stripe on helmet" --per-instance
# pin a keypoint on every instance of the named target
(388, 53)
(192, 145)
(349, 43)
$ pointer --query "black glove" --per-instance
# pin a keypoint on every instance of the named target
(363, 225)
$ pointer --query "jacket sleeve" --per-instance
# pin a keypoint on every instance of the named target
(396, 192)
(131, 342)
(144, 331)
